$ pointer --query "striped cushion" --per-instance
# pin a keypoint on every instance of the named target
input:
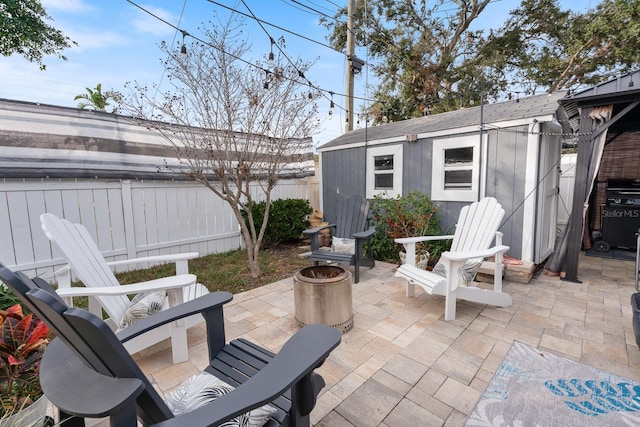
(203, 388)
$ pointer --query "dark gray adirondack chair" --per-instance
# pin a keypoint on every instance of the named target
(352, 222)
(87, 373)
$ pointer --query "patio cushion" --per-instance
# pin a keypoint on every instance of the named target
(143, 305)
(343, 245)
(203, 388)
(466, 273)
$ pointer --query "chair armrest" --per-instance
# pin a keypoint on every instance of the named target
(155, 258)
(204, 304)
(316, 230)
(407, 240)
(303, 353)
(365, 234)
(79, 390)
(463, 256)
(170, 282)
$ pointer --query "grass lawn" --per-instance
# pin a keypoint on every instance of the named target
(229, 271)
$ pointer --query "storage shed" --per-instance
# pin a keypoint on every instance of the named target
(509, 150)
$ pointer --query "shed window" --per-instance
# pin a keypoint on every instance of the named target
(384, 171)
(456, 169)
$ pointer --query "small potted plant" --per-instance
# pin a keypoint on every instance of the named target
(22, 342)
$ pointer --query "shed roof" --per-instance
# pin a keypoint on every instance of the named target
(530, 107)
(623, 88)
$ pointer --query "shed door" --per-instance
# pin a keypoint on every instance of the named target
(549, 178)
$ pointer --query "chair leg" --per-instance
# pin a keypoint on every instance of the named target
(178, 330)
(68, 420)
(179, 346)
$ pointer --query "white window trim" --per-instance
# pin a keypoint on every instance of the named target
(372, 153)
(438, 193)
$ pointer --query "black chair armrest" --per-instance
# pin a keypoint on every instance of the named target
(79, 390)
(316, 230)
(314, 233)
(290, 368)
(205, 305)
(365, 234)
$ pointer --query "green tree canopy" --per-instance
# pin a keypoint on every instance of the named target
(421, 53)
(432, 56)
(23, 31)
(544, 46)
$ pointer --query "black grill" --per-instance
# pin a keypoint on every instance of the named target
(621, 215)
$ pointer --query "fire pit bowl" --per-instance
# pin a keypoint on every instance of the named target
(322, 294)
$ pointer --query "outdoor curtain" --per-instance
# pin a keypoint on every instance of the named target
(599, 116)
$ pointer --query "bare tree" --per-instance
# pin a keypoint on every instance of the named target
(237, 126)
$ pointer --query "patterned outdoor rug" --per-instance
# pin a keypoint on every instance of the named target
(537, 388)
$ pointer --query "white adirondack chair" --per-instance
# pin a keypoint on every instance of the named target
(104, 291)
(476, 228)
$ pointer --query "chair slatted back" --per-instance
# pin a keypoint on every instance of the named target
(352, 216)
(86, 260)
(477, 225)
(88, 336)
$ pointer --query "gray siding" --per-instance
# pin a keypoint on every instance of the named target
(506, 163)
(343, 175)
(416, 162)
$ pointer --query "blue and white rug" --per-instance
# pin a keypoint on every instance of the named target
(537, 388)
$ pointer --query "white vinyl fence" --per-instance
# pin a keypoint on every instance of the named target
(567, 178)
(127, 218)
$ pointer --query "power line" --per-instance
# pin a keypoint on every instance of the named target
(300, 73)
(262, 21)
(322, 91)
(333, 11)
(310, 9)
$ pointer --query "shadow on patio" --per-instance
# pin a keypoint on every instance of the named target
(402, 364)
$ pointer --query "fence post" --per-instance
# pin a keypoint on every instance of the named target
(127, 212)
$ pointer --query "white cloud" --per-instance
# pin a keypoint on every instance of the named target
(88, 40)
(145, 23)
(66, 5)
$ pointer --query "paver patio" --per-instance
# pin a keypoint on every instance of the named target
(402, 364)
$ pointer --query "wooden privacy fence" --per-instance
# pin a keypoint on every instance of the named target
(127, 218)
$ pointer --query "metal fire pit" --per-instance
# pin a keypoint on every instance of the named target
(322, 294)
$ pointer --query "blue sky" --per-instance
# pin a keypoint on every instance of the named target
(118, 42)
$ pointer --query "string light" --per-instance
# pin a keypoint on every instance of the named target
(183, 48)
(266, 81)
(331, 105)
(271, 55)
(487, 126)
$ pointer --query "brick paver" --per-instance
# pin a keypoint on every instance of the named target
(402, 364)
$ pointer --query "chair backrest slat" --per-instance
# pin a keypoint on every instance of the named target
(352, 216)
(477, 225)
(88, 336)
(86, 260)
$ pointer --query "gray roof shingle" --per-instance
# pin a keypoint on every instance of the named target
(533, 106)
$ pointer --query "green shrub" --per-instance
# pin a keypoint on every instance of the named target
(8, 298)
(287, 219)
(409, 216)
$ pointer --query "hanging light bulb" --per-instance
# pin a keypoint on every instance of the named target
(331, 105)
(271, 55)
(183, 48)
(266, 81)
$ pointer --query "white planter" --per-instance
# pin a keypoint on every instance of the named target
(32, 415)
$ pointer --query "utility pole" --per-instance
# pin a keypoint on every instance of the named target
(351, 50)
